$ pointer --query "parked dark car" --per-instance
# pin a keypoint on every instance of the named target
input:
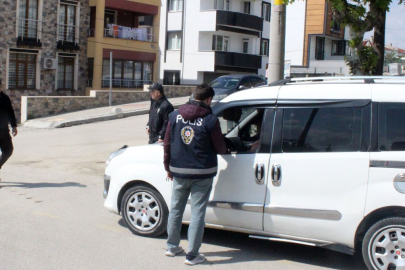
(228, 84)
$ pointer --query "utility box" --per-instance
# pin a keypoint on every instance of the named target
(395, 69)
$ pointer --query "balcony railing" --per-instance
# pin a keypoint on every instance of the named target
(232, 59)
(28, 28)
(239, 22)
(121, 32)
(125, 83)
(67, 33)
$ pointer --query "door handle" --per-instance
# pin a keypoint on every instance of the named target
(259, 173)
(276, 175)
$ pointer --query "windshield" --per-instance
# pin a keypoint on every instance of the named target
(227, 83)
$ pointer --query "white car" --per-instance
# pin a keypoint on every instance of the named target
(315, 161)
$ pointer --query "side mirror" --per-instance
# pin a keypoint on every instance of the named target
(241, 87)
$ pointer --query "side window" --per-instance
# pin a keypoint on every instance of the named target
(242, 127)
(391, 127)
(245, 82)
(322, 130)
(256, 81)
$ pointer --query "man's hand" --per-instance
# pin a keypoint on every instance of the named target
(147, 131)
(14, 131)
(169, 176)
(160, 141)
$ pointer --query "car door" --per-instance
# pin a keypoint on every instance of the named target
(239, 189)
(319, 164)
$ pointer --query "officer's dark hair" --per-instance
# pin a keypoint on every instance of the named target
(203, 91)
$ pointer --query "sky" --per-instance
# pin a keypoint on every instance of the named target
(395, 26)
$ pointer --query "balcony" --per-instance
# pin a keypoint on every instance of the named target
(28, 32)
(237, 62)
(239, 22)
(122, 32)
(67, 37)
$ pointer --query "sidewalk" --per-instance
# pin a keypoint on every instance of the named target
(97, 114)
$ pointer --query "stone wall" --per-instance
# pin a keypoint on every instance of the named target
(35, 107)
(47, 77)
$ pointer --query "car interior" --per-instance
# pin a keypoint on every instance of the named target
(242, 127)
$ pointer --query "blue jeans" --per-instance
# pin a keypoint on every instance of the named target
(200, 190)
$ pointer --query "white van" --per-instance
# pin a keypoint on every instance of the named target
(315, 161)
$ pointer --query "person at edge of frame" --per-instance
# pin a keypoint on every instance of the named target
(160, 109)
(7, 117)
(193, 140)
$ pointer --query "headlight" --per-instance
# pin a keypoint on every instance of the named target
(219, 97)
(116, 153)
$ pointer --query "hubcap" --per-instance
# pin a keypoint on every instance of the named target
(143, 211)
(387, 248)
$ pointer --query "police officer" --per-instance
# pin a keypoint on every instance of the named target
(6, 117)
(160, 109)
(193, 140)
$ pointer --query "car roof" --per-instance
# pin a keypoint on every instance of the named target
(238, 76)
(327, 88)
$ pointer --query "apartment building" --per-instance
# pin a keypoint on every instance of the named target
(129, 30)
(203, 39)
(315, 44)
(43, 48)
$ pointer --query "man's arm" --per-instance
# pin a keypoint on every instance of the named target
(218, 140)
(166, 149)
(165, 116)
(11, 114)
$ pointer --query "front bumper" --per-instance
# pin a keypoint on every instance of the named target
(107, 179)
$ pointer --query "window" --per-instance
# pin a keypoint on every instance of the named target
(266, 11)
(242, 126)
(322, 130)
(245, 46)
(257, 81)
(220, 43)
(338, 47)
(127, 73)
(109, 18)
(222, 4)
(320, 48)
(174, 40)
(28, 18)
(176, 5)
(66, 71)
(246, 7)
(245, 82)
(171, 77)
(90, 72)
(22, 71)
(67, 23)
(391, 127)
(264, 47)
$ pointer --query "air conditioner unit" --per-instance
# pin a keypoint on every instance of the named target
(50, 63)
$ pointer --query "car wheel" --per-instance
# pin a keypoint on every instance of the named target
(384, 245)
(144, 211)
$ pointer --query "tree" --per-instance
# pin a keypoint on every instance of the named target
(363, 16)
(392, 57)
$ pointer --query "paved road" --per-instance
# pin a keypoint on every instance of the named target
(52, 214)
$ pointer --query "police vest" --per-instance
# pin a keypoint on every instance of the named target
(191, 153)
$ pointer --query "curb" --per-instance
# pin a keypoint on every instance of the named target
(40, 124)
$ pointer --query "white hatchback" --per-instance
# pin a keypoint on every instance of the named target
(315, 161)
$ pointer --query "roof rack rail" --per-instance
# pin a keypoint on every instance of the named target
(367, 79)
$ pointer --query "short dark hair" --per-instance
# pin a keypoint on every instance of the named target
(203, 91)
(156, 86)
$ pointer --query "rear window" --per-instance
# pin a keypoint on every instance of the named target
(391, 127)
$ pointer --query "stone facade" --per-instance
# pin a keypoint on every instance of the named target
(35, 107)
(48, 49)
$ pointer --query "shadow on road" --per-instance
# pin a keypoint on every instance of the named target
(245, 249)
(40, 185)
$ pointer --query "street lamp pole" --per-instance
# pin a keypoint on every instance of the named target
(277, 41)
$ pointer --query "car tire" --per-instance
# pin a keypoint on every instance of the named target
(383, 245)
(144, 211)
